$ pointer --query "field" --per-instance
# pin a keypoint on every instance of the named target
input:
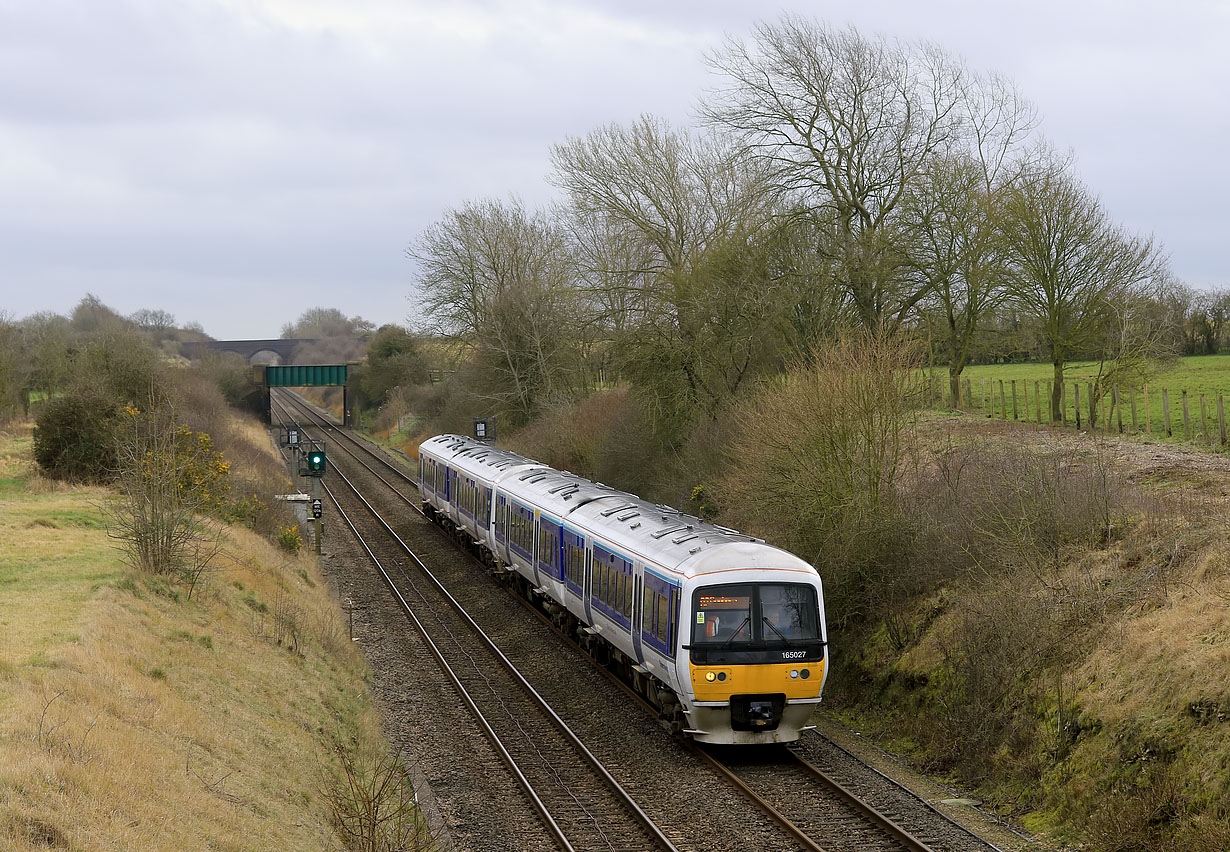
(132, 717)
(1184, 380)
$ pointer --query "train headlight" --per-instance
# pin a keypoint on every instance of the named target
(721, 675)
(710, 676)
(794, 673)
(805, 674)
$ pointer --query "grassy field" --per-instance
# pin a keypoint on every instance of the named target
(133, 718)
(1205, 375)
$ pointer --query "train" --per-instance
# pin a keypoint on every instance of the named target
(724, 634)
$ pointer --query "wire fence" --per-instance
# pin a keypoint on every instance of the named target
(1191, 417)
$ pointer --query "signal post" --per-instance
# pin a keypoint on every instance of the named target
(316, 465)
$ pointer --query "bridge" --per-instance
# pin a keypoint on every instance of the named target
(277, 351)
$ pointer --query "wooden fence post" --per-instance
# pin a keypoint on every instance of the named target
(1115, 407)
(1166, 413)
(1187, 422)
(1038, 399)
(1204, 422)
(1025, 392)
(1093, 406)
(1003, 407)
(1221, 418)
(1076, 398)
(1014, 414)
(1132, 393)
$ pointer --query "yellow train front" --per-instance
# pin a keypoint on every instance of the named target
(752, 666)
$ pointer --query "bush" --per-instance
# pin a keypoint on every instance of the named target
(73, 437)
(290, 539)
(168, 476)
(235, 380)
(814, 465)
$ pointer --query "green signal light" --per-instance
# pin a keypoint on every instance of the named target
(316, 462)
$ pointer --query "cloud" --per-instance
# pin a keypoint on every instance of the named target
(150, 151)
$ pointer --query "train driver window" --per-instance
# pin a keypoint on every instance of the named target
(724, 615)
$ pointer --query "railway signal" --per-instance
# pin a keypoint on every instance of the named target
(316, 461)
(484, 428)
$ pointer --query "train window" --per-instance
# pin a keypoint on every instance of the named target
(724, 614)
(576, 564)
(647, 610)
(762, 612)
(662, 630)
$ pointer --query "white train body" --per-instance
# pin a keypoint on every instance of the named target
(721, 630)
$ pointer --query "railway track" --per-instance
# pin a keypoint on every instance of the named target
(580, 803)
(818, 811)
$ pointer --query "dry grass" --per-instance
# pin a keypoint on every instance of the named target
(133, 720)
(1072, 659)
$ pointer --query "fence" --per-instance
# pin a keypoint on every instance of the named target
(1130, 411)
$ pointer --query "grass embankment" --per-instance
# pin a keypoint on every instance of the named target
(1082, 682)
(132, 718)
(1197, 375)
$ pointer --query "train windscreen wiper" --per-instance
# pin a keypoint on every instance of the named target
(771, 626)
(744, 623)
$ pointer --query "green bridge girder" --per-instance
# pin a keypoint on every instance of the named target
(305, 376)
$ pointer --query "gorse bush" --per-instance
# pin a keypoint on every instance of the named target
(168, 477)
(290, 538)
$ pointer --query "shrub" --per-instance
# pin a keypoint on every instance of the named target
(815, 460)
(168, 476)
(290, 539)
(73, 437)
(371, 801)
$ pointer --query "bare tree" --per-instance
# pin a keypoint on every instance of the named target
(1070, 268)
(12, 380)
(955, 250)
(498, 278)
(847, 123)
(669, 222)
(154, 321)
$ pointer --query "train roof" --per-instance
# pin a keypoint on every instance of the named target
(661, 534)
(491, 462)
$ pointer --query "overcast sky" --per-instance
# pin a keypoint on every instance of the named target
(235, 162)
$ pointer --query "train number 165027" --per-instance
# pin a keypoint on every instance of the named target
(793, 655)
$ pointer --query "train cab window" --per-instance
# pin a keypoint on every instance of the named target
(755, 613)
(723, 614)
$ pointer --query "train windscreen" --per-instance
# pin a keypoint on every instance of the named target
(754, 617)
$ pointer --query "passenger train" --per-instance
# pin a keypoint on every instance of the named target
(723, 633)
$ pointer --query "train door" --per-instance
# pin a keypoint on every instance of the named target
(501, 527)
(535, 545)
(637, 608)
(588, 593)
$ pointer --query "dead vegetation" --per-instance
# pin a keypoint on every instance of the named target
(137, 718)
